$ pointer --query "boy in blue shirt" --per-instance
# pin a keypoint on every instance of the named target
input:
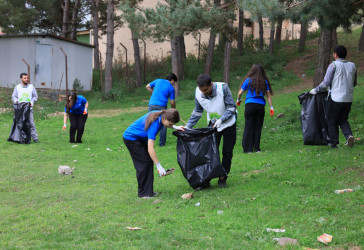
(162, 90)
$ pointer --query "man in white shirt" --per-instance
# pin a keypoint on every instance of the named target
(26, 92)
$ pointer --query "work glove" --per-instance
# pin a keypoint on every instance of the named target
(161, 170)
(180, 128)
(64, 127)
(217, 124)
(271, 111)
(238, 102)
(313, 92)
(85, 111)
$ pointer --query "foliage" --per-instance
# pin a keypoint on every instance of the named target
(77, 84)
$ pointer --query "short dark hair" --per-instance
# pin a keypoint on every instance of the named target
(203, 80)
(23, 74)
(340, 51)
(171, 77)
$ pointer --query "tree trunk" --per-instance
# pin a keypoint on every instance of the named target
(227, 61)
(66, 8)
(175, 61)
(279, 32)
(95, 25)
(210, 52)
(109, 46)
(261, 38)
(323, 56)
(137, 61)
(181, 50)
(361, 40)
(74, 21)
(303, 36)
(271, 39)
(241, 32)
(334, 39)
(181, 40)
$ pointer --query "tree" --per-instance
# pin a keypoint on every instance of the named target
(95, 27)
(109, 46)
(74, 20)
(240, 32)
(361, 40)
(66, 7)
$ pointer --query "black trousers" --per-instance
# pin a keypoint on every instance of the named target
(143, 165)
(337, 115)
(229, 135)
(77, 124)
(254, 118)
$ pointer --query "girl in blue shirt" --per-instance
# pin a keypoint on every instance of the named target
(76, 110)
(257, 85)
(139, 138)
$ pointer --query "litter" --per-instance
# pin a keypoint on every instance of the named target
(169, 171)
(286, 241)
(133, 228)
(276, 230)
(220, 212)
(65, 170)
(197, 204)
(187, 196)
(340, 191)
(108, 149)
(74, 146)
(325, 238)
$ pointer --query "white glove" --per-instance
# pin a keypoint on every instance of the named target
(217, 123)
(181, 128)
(313, 92)
(161, 170)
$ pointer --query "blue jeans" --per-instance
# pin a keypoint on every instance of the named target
(163, 132)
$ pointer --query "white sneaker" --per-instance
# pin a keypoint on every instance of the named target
(350, 141)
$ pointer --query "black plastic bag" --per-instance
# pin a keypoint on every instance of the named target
(20, 131)
(198, 155)
(313, 118)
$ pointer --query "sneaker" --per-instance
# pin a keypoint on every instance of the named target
(36, 141)
(207, 185)
(222, 182)
(350, 141)
(151, 196)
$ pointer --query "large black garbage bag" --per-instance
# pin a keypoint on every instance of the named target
(20, 131)
(198, 155)
(313, 119)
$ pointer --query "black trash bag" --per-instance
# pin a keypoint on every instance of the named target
(313, 118)
(20, 131)
(198, 155)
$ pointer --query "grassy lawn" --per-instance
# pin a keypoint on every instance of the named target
(288, 185)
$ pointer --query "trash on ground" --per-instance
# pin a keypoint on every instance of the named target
(169, 171)
(187, 196)
(108, 149)
(133, 228)
(280, 115)
(74, 160)
(65, 170)
(340, 191)
(220, 212)
(286, 241)
(73, 146)
(157, 201)
(325, 238)
(197, 204)
(276, 230)
(88, 149)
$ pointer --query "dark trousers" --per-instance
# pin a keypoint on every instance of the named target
(143, 165)
(229, 135)
(254, 118)
(77, 124)
(163, 132)
(337, 115)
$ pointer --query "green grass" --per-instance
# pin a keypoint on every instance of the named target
(288, 186)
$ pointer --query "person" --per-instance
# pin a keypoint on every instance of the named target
(76, 110)
(26, 92)
(340, 78)
(161, 90)
(257, 85)
(139, 138)
(216, 99)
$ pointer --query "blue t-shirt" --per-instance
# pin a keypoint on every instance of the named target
(136, 130)
(162, 90)
(251, 96)
(79, 106)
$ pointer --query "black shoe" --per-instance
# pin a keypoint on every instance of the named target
(222, 182)
(207, 185)
(334, 147)
(350, 141)
(80, 141)
(151, 196)
(36, 141)
(72, 142)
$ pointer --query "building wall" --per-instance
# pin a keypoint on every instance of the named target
(161, 50)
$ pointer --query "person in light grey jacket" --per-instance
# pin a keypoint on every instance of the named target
(340, 79)
(26, 92)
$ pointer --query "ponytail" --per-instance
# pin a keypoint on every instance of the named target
(151, 118)
(171, 115)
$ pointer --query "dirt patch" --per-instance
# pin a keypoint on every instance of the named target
(253, 172)
(108, 112)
